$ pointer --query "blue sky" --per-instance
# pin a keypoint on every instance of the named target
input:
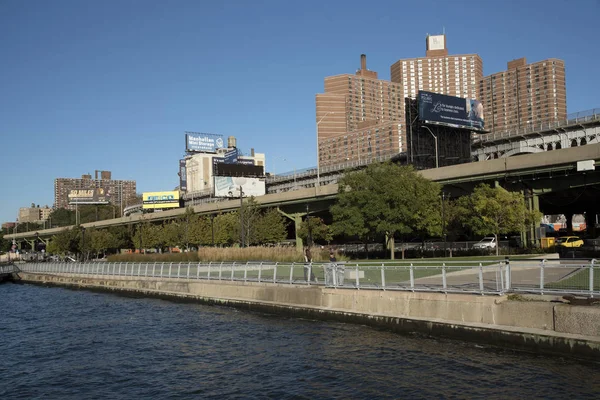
(113, 85)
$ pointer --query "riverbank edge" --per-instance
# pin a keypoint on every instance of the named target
(306, 302)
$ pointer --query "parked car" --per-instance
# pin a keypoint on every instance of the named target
(488, 242)
(569, 241)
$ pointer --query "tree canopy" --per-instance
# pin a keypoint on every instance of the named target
(386, 199)
(494, 211)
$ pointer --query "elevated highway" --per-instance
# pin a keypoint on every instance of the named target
(540, 174)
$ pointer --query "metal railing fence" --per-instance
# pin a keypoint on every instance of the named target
(579, 277)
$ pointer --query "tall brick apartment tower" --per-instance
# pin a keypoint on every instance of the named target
(525, 95)
(454, 75)
(359, 118)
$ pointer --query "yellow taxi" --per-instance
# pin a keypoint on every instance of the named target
(569, 241)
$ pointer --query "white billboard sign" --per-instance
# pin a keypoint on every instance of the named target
(228, 186)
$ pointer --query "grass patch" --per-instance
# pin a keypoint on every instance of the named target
(580, 280)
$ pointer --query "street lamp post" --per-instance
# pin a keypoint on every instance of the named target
(318, 155)
(436, 145)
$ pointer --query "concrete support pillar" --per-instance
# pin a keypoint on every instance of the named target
(297, 218)
(569, 218)
(590, 221)
(535, 206)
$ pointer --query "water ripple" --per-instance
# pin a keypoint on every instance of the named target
(65, 344)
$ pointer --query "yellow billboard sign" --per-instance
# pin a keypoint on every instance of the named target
(154, 200)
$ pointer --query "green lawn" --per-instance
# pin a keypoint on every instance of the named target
(580, 280)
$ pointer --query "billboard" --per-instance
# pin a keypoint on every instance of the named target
(229, 186)
(222, 169)
(449, 110)
(182, 175)
(221, 160)
(231, 157)
(157, 200)
(89, 196)
(203, 142)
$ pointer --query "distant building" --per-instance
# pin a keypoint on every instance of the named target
(359, 118)
(525, 95)
(454, 75)
(34, 213)
(9, 225)
(117, 192)
(200, 168)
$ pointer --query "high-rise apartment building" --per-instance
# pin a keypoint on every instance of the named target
(453, 75)
(359, 118)
(118, 192)
(525, 95)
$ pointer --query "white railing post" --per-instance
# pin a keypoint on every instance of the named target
(357, 278)
(178, 270)
(246, 271)
(259, 273)
(146, 271)
(209, 267)
(162, 265)
(170, 269)
(274, 272)
(481, 278)
(291, 273)
(232, 270)
(508, 274)
(444, 277)
(198, 270)
(220, 270)
(412, 277)
(382, 276)
(542, 265)
(592, 262)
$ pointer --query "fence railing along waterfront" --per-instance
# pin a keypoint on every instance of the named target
(579, 277)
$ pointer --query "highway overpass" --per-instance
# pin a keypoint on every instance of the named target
(554, 169)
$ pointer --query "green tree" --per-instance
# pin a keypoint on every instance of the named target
(495, 211)
(100, 241)
(62, 217)
(386, 199)
(65, 242)
(317, 229)
(227, 228)
(200, 230)
(251, 214)
(271, 227)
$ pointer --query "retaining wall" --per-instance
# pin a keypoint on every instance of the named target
(542, 326)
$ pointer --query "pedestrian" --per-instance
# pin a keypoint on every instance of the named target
(332, 258)
(308, 265)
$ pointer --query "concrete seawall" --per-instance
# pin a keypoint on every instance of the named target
(540, 326)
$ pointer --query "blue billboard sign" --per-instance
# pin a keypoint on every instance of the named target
(449, 110)
(182, 175)
(203, 142)
(231, 157)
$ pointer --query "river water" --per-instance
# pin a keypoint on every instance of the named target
(58, 343)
